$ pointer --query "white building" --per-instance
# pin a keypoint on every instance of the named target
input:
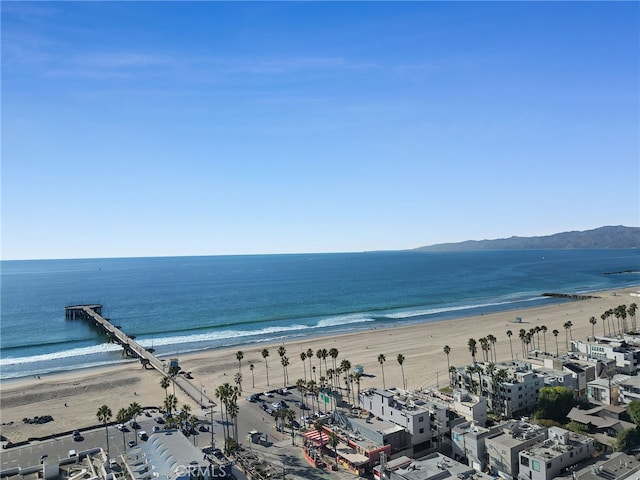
(627, 357)
(504, 448)
(546, 460)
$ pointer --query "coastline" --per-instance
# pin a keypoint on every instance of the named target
(425, 364)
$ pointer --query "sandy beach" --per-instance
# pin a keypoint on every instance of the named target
(73, 398)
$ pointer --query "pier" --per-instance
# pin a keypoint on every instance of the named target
(93, 313)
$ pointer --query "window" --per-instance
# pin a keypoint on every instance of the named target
(524, 461)
(421, 430)
(535, 464)
(420, 419)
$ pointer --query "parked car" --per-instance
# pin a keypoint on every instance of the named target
(268, 394)
(121, 426)
(72, 453)
(132, 443)
(159, 420)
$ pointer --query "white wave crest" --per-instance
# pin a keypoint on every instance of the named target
(74, 352)
(419, 313)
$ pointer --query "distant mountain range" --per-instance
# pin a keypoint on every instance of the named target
(603, 237)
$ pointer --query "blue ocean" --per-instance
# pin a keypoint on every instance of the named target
(182, 304)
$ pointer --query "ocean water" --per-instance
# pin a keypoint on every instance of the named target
(182, 304)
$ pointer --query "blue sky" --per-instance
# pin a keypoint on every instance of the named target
(206, 128)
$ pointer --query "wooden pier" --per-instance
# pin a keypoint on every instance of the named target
(93, 313)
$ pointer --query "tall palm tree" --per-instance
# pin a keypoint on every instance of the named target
(603, 317)
(303, 357)
(239, 357)
(237, 379)
(134, 410)
(122, 417)
(265, 354)
(253, 379)
(381, 360)
(593, 321)
(473, 348)
(173, 373)
(555, 334)
(333, 353)
(290, 415)
(310, 356)
(544, 329)
(452, 372)
(484, 346)
(509, 334)
(223, 392)
(285, 363)
(567, 327)
(401, 361)
(333, 443)
(104, 416)
(345, 366)
(170, 403)
(631, 311)
(319, 357)
(447, 351)
(164, 383)
(323, 355)
(356, 377)
(492, 340)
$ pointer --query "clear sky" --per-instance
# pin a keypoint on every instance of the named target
(206, 128)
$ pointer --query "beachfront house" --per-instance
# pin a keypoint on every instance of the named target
(504, 449)
(626, 356)
(546, 460)
(434, 466)
(603, 423)
(426, 421)
(468, 444)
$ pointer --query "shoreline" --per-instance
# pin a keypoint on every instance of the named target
(72, 397)
(401, 322)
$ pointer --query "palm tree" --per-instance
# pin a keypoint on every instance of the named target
(509, 334)
(170, 403)
(164, 383)
(310, 356)
(323, 355)
(356, 377)
(603, 317)
(484, 346)
(447, 351)
(104, 416)
(381, 360)
(544, 329)
(285, 363)
(492, 340)
(333, 443)
(290, 415)
(567, 327)
(173, 373)
(593, 321)
(303, 357)
(253, 378)
(333, 353)
(121, 417)
(473, 348)
(265, 354)
(452, 372)
(223, 392)
(239, 357)
(237, 379)
(401, 361)
(134, 410)
(345, 366)
(555, 334)
(631, 311)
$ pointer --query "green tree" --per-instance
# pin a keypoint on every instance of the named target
(134, 410)
(627, 439)
(164, 383)
(555, 334)
(170, 404)
(303, 357)
(633, 409)
(509, 334)
(265, 354)
(333, 443)
(104, 416)
(401, 362)
(239, 357)
(253, 378)
(554, 403)
(593, 322)
(121, 417)
(473, 348)
(381, 360)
